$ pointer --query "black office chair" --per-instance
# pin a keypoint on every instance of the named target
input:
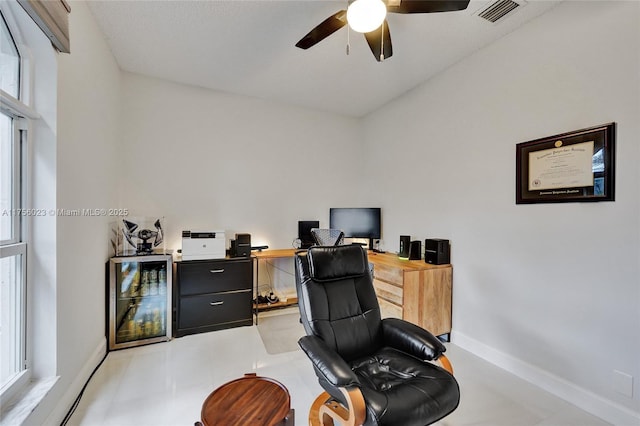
(374, 372)
(327, 237)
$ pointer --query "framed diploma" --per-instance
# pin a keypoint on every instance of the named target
(574, 166)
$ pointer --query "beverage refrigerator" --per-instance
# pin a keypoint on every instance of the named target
(139, 300)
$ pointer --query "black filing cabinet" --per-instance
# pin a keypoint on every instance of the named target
(212, 295)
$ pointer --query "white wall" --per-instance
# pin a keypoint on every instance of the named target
(88, 129)
(550, 289)
(206, 160)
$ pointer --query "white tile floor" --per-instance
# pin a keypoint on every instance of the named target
(165, 384)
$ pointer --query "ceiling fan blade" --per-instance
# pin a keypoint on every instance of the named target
(324, 30)
(427, 6)
(374, 40)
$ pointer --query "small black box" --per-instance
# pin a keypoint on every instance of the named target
(242, 245)
(405, 241)
(436, 251)
(414, 250)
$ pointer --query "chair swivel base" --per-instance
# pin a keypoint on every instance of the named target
(325, 410)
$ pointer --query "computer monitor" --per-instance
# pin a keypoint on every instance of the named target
(304, 232)
(357, 222)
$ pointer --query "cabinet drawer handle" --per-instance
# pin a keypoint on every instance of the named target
(216, 303)
(216, 271)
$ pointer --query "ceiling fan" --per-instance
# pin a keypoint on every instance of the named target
(368, 17)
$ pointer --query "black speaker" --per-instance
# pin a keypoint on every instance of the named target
(415, 250)
(436, 251)
(304, 232)
(242, 245)
(405, 240)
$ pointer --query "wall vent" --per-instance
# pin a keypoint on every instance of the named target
(498, 10)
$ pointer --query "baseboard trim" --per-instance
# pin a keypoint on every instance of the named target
(607, 410)
(69, 397)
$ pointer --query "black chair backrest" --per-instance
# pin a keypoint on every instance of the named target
(337, 300)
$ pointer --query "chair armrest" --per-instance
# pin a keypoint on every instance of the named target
(410, 338)
(327, 361)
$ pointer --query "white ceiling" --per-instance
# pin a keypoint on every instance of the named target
(247, 47)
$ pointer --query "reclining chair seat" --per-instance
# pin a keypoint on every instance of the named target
(402, 390)
(348, 342)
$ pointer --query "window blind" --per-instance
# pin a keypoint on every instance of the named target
(52, 16)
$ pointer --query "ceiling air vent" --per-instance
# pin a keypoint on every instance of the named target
(498, 10)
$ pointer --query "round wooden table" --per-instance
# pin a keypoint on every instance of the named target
(250, 400)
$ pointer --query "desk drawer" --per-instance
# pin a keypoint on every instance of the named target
(214, 276)
(389, 310)
(388, 291)
(211, 309)
(389, 274)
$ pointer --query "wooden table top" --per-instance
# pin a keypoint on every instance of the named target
(274, 253)
(392, 260)
(387, 259)
(250, 400)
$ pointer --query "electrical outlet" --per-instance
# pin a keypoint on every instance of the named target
(623, 383)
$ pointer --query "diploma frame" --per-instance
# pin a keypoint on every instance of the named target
(544, 177)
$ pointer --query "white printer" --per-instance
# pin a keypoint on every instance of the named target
(197, 245)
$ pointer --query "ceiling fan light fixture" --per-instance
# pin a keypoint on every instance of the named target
(365, 16)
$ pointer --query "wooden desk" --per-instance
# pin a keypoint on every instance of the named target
(412, 290)
(250, 400)
(271, 254)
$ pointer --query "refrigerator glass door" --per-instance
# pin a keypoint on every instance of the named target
(140, 302)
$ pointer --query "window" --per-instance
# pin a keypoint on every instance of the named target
(13, 247)
(9, 63)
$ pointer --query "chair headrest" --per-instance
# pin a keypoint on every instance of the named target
(337, 262)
